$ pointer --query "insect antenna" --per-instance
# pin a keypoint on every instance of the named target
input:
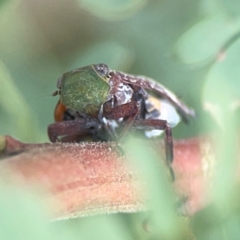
(56, 93)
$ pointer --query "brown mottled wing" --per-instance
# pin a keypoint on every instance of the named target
(147, 83)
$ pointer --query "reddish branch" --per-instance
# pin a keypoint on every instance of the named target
(92, 177)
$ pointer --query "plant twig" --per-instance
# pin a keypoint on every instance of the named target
(88, 178)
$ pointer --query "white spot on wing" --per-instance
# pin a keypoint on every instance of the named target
(113, 124)
(124, 94)
(168, 113)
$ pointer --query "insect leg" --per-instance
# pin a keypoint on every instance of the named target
(73, 127)
(130, 110)
(121, 111)
(161, 125)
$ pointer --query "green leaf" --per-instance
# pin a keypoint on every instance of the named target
(161, 199)
(221, 93)
(232, 7)
(201, 43)
(109, 52)
(223, 80)
(25, 125)
(209, 7)
(2, 2)
(22, 215)
(113, 9)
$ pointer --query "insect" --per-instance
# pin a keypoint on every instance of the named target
(99, 102)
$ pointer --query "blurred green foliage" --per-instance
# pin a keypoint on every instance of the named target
(41, 40)
(192, 47)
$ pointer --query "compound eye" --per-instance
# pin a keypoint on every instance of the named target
(102, 69)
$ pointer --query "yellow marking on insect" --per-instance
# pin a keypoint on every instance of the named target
(156, 103)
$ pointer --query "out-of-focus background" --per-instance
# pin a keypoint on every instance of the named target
(192, 47)
(40, 40)
(174, 42)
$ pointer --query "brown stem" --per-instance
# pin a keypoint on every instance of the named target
(87, 178)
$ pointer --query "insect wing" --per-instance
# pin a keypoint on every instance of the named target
(148, 83)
